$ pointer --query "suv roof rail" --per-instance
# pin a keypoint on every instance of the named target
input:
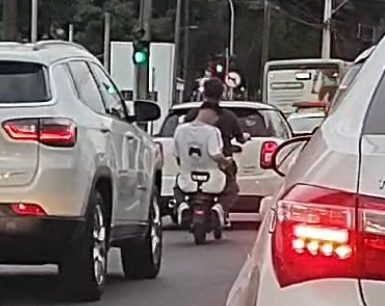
(52, 43)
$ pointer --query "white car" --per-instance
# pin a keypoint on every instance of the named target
(253, 158)
(322, 239)
(305, 123)
(77, 175)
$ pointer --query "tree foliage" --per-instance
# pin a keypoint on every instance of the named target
(295, 31)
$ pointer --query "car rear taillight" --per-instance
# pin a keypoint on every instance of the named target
(267, 151)
(324, 233)
(52, 132)
(314, 235)
(372, 242)
(28, 210)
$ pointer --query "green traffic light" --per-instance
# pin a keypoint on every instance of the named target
(219, 68)
(140, 57)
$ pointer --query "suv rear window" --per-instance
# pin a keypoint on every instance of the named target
(258, 123)
(23, 83)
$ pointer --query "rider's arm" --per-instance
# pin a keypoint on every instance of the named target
(236, 129)
(176, 146)
(215, 147)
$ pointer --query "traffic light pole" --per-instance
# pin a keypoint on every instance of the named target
(142, 71)
(176, 49)
(266, 38)
(326, 35)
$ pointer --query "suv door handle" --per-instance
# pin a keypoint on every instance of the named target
(105, 130)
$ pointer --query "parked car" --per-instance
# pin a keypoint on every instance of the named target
(322, 238)
(77, 176)
(267, 127)
(307, 117)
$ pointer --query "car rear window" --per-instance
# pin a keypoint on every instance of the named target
(258, 123)
(22, 82)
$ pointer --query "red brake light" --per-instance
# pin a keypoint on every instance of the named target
(51, 132)
(314, 235)
(58, 132)
(325, 233)
(22, 129)
(372, 214)
(267, 151)
(28, 210)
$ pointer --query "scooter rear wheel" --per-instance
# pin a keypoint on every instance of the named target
(199, 233)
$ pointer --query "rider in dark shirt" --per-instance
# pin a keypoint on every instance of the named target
(230, 128)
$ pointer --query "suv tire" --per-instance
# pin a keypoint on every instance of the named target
(84, 270)
(141, 259)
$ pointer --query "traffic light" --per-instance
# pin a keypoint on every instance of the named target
(141, 55)
(219, 69)
(141, 52)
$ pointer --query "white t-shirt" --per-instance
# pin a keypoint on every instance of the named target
(194, 144)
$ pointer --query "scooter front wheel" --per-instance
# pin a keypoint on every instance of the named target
(218, 234)
(199, 233)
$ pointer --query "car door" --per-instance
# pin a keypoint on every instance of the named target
(146, 175)
(372, 200)
(127, 143)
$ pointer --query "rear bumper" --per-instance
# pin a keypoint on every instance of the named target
(32, 240)
(263, 185)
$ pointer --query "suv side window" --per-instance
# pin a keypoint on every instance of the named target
(86, 87)
(110, 93)
(374, 122)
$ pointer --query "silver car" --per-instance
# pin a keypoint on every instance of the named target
(77, 175)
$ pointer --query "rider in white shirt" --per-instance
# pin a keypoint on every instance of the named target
(198, 147)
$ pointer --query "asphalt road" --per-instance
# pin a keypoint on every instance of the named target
(191, 276)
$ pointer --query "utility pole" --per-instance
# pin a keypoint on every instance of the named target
(34, 20)
(186, 39)
(107, 31)
(71, 32)
(326, 35)
(10, 18)
(142, 71)
(232, 26)
(266, 37)
(176, 50)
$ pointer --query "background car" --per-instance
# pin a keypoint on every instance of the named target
(77, 176)
(322, 240)
(267, 127)
(305, 123)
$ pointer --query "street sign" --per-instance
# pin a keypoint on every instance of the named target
(233, 80)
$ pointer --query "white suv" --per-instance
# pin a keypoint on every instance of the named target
(76, 173)
(322, 241)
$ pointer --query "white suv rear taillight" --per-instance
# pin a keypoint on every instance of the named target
(321, 233)
(56, 132)
(314, 235)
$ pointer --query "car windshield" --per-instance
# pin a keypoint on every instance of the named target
(22, 83)
(305, 124)
(258, 123)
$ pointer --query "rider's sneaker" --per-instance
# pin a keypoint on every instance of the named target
(227, 221)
